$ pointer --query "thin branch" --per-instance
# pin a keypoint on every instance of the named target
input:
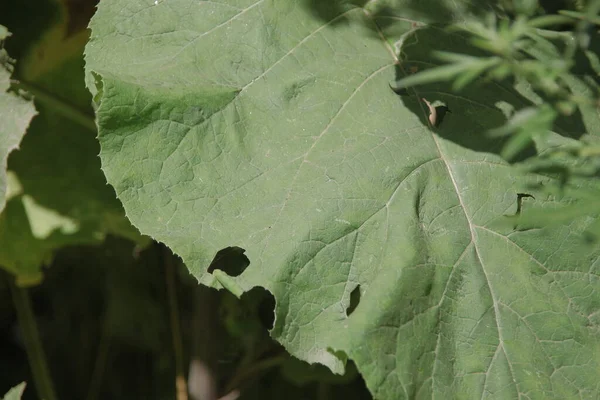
(254, 369)
(33, 345)
(100, 364)
(180, 382)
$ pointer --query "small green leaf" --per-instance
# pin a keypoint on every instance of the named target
(549, 20)
(524, 125)
(431, 75)
(474, 71)
(594, 19)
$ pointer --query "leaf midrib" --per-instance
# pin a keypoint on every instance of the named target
(473, 241)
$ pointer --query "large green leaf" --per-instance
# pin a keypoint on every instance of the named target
(15, 114)
(265, 125)
(59, 195)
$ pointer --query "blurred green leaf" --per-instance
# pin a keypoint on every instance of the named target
(431, 75)
(522, 127)
(474, 71)
(63, 198)
(15, 114)
(548, 20)
(582, 16)
(15, 393)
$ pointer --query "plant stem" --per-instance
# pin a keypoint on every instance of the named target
(254, 370)
(100, 364)
(323, 391)
(180, 382)
(33, 344)
(62, 107)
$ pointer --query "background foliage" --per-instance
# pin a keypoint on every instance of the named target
(102, 312)
(414, 183)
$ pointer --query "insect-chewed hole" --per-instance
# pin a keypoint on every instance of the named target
(354, 300)
(266, 307)
(230, 260)
(520, 197)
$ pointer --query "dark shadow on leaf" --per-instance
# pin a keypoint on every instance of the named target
(328, 10)
(561, 173)
(462, 126)
(570, 125)
(475, 114)
(478, 108)
(439, 11)
(427, 290)
(230, 260)
(380, 17)
(397, 16)
(586, 74)
(591, 237)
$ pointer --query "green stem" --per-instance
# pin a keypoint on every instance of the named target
(33, 344)
(180, 381)
(100, 364)
(62, 107)
(323, 392)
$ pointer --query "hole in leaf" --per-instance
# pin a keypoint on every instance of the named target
(441, 114)
(354, 300)
(520, 197)
(266, 308)
(230, 260)
(255, 305)
(99, 84)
